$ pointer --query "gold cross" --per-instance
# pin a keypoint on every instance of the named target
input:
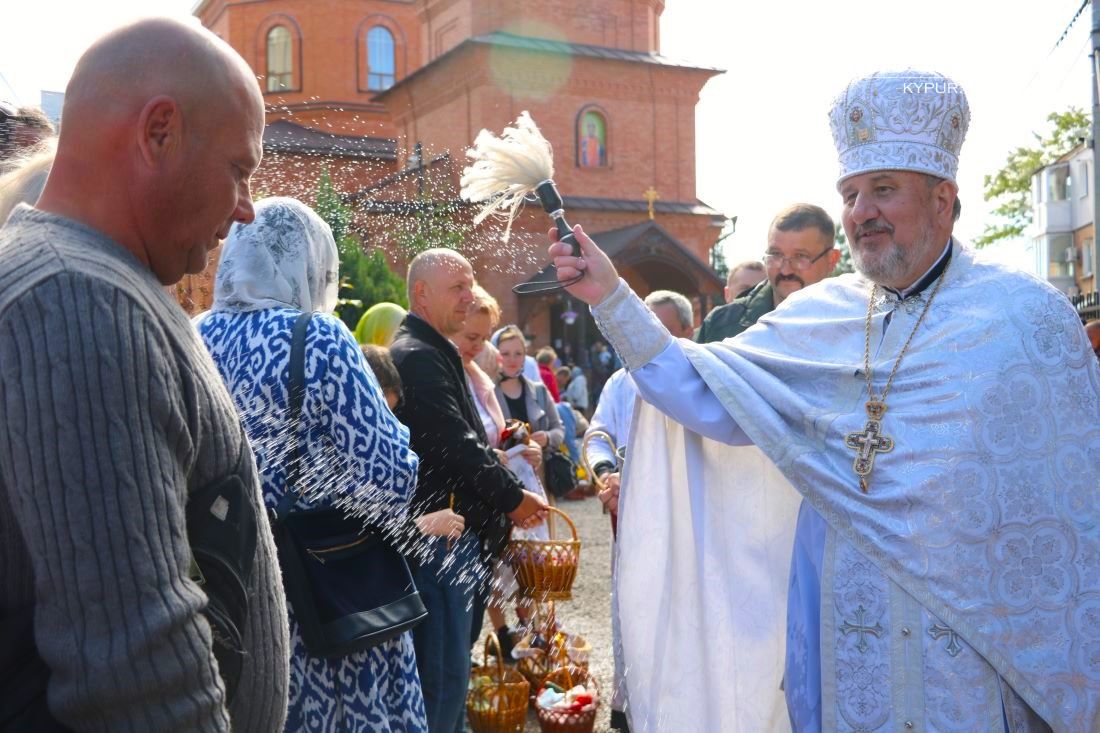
(651, 195)
(869, 442)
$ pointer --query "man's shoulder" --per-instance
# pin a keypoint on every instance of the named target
(731, 311)
(419, 361)
(737, 315)
(36, 247)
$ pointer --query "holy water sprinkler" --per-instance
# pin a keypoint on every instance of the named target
(508, 169)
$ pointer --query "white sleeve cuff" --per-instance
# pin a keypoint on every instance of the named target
(635, 333)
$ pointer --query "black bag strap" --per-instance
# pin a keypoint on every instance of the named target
(296, 389)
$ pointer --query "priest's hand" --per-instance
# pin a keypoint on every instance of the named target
(531, 512)
(609, 497)
(600, 278)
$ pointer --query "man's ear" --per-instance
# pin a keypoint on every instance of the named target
(944, 194)
(160, 127)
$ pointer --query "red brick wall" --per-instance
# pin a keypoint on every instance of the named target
(650, 111)
(628, 24)
(329, 53)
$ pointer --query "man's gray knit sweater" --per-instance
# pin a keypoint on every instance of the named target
(111, 415)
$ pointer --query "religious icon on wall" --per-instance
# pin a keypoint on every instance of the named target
(592, 140)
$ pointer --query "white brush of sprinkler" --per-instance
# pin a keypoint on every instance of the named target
(505, 171)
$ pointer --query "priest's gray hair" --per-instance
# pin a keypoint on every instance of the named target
(682, 305)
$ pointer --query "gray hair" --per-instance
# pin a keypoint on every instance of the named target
(956, 208)
(24, 181)
(682, 305)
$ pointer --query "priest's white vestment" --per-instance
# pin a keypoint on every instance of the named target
(962, 592)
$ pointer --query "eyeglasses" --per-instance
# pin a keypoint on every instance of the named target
(798, 262)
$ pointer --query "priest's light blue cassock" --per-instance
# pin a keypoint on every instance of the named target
(961, 592)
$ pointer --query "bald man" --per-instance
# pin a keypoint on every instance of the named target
(457, 463)
(123, 465)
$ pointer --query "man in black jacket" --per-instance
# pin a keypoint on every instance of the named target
(456, 465)
(800, 253)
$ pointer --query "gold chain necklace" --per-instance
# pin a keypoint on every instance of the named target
(871, 440)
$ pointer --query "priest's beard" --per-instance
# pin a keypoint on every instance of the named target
(891, 264)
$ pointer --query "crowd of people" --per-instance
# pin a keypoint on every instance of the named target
(153, 467)
(399, 425)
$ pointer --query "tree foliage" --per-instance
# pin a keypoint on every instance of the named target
(844, 264)
(718, 262)
(1011, 185)
(365, 278)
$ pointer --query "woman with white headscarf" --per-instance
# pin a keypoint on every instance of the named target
(273, 269)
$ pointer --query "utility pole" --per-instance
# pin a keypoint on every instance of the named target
(1095, 136)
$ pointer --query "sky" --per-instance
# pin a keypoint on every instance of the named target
(763, 138)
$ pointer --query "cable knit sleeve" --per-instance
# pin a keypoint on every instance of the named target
(94, 453)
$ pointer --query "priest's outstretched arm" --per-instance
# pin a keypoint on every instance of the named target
(664, 375)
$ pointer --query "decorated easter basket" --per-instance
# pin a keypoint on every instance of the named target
(545, 569)
(567, 720)
(497, 699)
(535, 662)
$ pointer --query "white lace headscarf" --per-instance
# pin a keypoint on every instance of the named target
(286, 258)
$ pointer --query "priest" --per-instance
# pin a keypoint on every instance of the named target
(938, 414)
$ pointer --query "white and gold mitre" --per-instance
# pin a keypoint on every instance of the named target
(900, 120)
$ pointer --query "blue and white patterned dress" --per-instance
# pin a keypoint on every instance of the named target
(355, 447)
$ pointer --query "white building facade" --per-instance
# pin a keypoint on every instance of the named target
(1062, 229)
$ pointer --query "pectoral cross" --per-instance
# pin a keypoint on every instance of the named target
(869, 442)
(651, 195)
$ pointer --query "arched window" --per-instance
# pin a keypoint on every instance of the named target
(280, 68)
(591, 140)
(380, 59)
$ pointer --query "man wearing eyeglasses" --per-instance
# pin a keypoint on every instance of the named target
(800, 253)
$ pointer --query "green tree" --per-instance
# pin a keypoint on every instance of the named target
(1011, 185)
(365, 278)
(718, 261)
(434, 224)
(844, 264)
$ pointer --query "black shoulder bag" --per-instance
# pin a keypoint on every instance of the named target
(349, 588)
(221, 529)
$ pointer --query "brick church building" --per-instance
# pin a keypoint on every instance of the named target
(387, 95)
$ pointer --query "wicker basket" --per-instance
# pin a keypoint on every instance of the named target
(563, 721)
(497, 699)
(545, 569)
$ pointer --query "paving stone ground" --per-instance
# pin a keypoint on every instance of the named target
(589, 613)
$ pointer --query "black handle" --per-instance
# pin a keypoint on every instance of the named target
(565, 234)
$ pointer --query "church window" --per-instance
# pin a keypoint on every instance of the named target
(280, 67)
(591, 139)
(381, 59)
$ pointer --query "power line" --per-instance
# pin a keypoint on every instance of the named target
(11, 89)
(1061, 38)
(1073, 20)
